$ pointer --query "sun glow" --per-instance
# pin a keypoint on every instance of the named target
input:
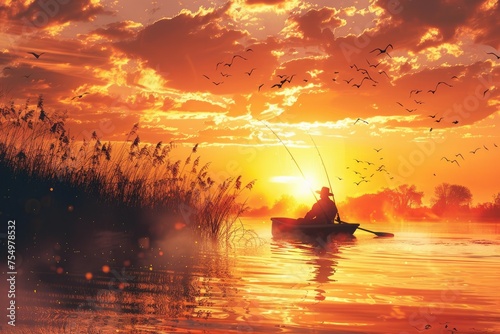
(298, 187)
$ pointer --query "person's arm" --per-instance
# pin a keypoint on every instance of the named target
(312, 213)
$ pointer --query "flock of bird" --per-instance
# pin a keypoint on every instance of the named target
(223, 67)
(27, 76)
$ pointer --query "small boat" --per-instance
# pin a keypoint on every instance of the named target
(284, 227)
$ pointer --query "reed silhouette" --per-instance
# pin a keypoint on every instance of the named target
(40, 158)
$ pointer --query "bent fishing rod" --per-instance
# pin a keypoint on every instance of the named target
(291, 155)
(323, 163)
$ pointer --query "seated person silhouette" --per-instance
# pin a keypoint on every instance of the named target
(324, 211)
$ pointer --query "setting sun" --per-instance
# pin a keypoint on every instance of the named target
(250, 165)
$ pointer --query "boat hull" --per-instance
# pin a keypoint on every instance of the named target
(286, 227)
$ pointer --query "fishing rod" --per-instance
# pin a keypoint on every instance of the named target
(291, 155)
(322, 162)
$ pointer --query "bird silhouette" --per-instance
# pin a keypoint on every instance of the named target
(439, 120)
(485, 148)
(493, 53)
(380, 51)
(340, 179)
(217, 83)
(377, 149)
(219, 63)
(416, 91)
(373, 65)
(411, 110)
(362, 120)
(445, 158)
(348, 81)
(358, 183)
(250, 72)
(455, 161)
(79, 96)
(260, 86)
(455, 122)
(433, 91)
(279, 85)
(486, 91)
(383, 72)
(232, 60)
(418, 102)
(460, 155)
(433, 116)
(206, 76)
(359, 85)
(475, 150)
(36, 55)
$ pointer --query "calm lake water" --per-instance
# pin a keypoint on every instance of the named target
(429, 278)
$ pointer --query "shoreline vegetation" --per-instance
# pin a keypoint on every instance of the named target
(62, 191)
(451, 202)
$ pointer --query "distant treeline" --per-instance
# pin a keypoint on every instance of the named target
(450, 201)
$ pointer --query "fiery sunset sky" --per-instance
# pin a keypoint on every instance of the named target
(225, 73)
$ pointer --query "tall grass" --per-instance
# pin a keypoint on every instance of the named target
(38, 145)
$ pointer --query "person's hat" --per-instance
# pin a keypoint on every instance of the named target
(325, 191)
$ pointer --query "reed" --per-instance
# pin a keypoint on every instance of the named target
(37, 145)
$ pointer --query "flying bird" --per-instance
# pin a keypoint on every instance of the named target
(411, 110)
(455, 161)
(380, 51)
(455, 122)
(437, 85)
(383, 72)
(359, 85)
(474, 151)
(219, 63)
(250, 72)
(373, 65)
(206, 76)
(357, 183)
(232, 60)
(362, 120)
(460, 155)
(486, 91)
(79, 96)
(348, 81)
(439, 120)
(493, 53)
(260, 86)
(217, 83)
(416, 91)
(36, 55)
(378, 149)
(433, 116)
